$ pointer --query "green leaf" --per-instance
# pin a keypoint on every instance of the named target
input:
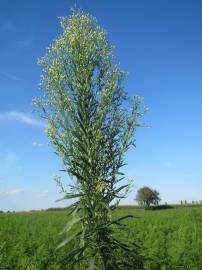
(67, 240)
(78, 175)
(70, 224)
(72, 254)
(120, 188)
(69, 196)
(125, 217)
(117, 221)
(92, 263)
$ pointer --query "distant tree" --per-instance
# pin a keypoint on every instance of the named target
(185, 202)
(147, 196)
(181, 202)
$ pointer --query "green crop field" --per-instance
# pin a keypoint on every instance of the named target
(170, 239)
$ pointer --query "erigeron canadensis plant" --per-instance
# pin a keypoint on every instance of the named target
(91, 124)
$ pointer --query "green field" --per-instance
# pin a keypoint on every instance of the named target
(170, 239)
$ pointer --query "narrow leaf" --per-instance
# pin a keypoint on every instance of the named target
(70, 224)
(69, 196)
(67, 240)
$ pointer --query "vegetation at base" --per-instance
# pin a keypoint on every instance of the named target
(160, 207)
(171, 239)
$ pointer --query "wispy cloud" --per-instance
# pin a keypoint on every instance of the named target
(42, 194)
(25, 118)
(11, 192)
(10, 76)
(6, 26)
(37, 144)
(21, 117)
(24, 42)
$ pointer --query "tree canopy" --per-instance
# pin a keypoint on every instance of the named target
(147, 196)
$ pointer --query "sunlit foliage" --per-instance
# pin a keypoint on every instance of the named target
(91, 123)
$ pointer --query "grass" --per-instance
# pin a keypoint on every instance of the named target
(170, 239)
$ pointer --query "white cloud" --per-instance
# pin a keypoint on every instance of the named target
(11, 76)
(12, 192)
(22, 117)
(37, 144)
(42, 194)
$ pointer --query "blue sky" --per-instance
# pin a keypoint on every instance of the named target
(159, 43)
